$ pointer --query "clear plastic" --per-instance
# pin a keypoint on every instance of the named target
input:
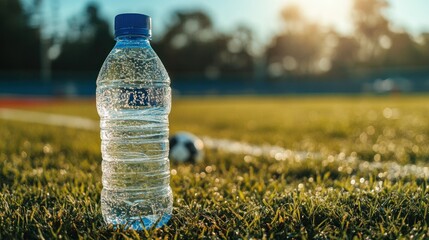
(133, 101)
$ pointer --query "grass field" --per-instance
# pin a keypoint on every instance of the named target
(50, 176)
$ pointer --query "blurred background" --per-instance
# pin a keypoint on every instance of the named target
(56, 47)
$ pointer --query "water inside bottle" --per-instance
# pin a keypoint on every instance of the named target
(134, 133)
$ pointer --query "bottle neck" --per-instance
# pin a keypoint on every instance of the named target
(132, 40)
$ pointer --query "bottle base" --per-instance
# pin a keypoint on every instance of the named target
(140, 223)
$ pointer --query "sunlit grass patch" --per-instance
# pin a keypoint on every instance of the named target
(367, 177)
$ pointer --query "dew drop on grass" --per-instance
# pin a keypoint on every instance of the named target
(377, 157)
(370, 130)
(209, 169)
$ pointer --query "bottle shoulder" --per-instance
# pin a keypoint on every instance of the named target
(133, 63)
(131, 51)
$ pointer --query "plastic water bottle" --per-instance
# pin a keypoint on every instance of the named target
(133, 101)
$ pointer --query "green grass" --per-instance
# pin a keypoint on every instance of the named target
(50, 176)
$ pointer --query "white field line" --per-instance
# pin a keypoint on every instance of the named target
(48, 119)
(390, 170)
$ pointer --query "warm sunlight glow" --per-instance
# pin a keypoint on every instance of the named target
(334, 13)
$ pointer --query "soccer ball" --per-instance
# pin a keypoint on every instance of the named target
(186, 147)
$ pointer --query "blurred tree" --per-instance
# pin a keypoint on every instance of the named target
(301, 49)
(293, 18)
(402, 51)
(87, 43)
(379, 45)
(192, 45)
(305, 48)
(423, 47)
(188, 45)
(237, 57)
(371, 29)
(344, 56)
(20, 43)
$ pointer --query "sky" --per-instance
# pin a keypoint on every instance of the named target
(262, 16)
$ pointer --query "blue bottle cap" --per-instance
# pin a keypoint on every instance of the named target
(133, 24)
